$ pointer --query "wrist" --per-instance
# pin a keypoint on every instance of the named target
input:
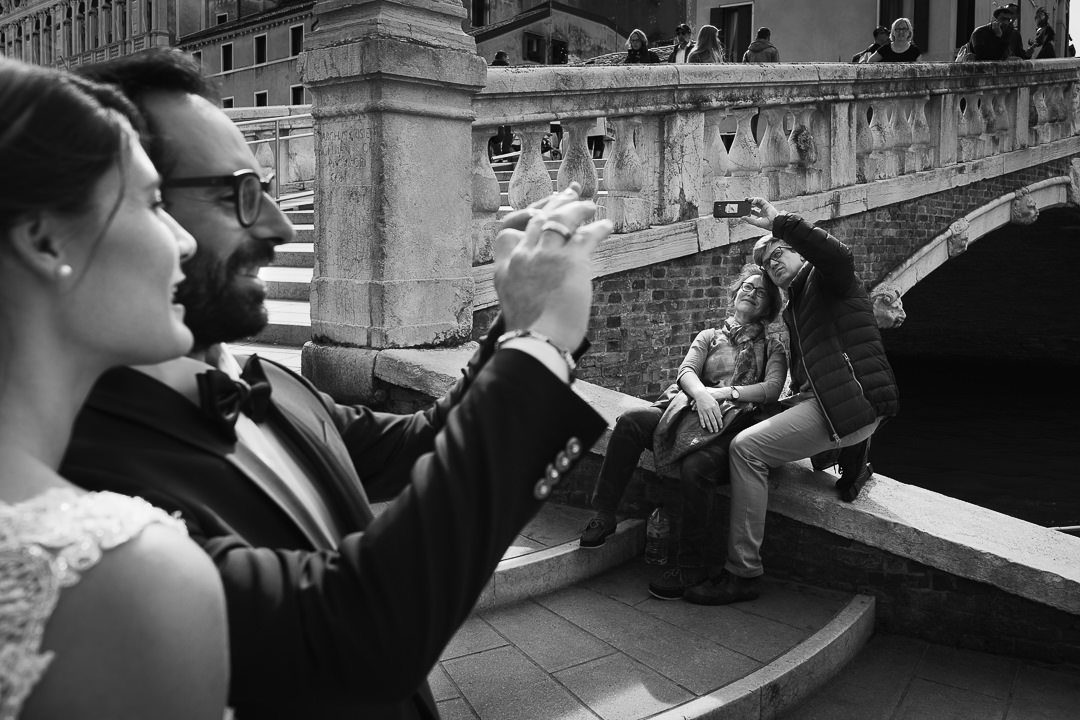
(541, 347)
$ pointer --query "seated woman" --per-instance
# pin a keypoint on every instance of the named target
(727, 373)
(901, 49)
(107, 609)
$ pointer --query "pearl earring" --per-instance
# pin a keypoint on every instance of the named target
(64, 271)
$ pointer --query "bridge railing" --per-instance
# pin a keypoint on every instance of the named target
(687, 135)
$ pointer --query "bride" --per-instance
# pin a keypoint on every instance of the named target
(107, 610)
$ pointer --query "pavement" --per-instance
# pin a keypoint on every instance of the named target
(602, 647)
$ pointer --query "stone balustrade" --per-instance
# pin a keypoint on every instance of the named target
(685, 136)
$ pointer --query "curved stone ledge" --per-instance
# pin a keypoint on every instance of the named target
(951, 535)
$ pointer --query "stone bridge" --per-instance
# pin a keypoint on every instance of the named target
(909, 164)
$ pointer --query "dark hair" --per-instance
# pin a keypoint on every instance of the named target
(152, 71)
(1007, 8)
(764, 33)
(881, 30)
(772, 293)
(59, 135)
(682, 27)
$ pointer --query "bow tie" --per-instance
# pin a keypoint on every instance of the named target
(222, 399)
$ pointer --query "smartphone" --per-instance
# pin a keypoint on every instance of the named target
(730, 208)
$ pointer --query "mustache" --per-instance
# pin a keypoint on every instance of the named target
(256, 253)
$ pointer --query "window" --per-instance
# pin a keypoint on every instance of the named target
(560, 52)
(965, 21)
(226, 57)
(534, 48)
(260, 49)
(226, 102)
(197, 57)
(296, 39)
(262, 98)
(297, 94)
(920, 17)
(479, 13)
(222, 18)
(733, 22)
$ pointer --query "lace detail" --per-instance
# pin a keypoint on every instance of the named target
(46, 544)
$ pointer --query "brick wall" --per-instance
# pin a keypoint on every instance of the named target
(644, 319)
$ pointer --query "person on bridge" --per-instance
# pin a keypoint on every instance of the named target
(683, 44)
(637, 49)
(728, 375)
(762, 50)
(708, 48)
(900, 48)
(333, 612)
(842, 382)
(1044, 37)
(881, 37)
(999, 39)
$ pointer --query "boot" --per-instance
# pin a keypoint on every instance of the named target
(855, 470)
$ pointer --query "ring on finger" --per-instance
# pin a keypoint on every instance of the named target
(557, 227)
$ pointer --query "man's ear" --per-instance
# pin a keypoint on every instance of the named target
(37, 243)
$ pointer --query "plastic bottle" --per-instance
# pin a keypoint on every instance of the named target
(657, 532)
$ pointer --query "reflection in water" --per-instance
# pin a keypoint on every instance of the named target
(987, 364)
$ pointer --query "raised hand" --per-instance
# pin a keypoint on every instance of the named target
(543, 266)
(762, 213)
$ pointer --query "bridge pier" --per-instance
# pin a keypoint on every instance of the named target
(392, 86)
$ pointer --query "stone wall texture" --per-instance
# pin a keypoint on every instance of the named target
(643, 320)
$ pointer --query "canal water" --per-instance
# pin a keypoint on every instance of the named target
(988, 363)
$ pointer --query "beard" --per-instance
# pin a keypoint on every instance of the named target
(217, 308)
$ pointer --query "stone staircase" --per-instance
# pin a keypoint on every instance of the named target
(564, 632)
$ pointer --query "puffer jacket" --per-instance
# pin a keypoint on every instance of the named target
(835, 343)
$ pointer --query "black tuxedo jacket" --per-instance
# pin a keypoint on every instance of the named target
(351, 631)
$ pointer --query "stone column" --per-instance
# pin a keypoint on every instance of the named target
(392, 83)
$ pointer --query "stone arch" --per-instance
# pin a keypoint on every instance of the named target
(1021, 206)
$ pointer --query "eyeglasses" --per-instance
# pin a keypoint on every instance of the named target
(753, 290)
(776, 254)
(248, 190)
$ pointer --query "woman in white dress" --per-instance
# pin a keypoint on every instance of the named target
(107, 609)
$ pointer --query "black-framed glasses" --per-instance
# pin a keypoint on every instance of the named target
(776, 254)
(753, 290)
(248, 190)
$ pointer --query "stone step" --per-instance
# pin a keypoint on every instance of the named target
(305, 233)
(290, 323)
(286, 355)
(300, 217)
(287, 283)
(295, 255)
(585, 641)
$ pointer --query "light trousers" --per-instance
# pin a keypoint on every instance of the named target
(799, 432)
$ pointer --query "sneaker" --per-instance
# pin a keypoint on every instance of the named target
(722, 590)
(673, 583)
(597, 531)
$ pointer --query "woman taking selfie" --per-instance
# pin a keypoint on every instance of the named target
(107, 610)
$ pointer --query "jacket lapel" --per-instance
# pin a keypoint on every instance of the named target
(140, 399)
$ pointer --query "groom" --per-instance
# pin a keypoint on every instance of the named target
(332, 613)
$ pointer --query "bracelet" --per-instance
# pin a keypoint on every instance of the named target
(515, 334)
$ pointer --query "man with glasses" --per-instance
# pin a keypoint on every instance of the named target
(842, 382)
(683, 44)
(332, 612)
(999, 39)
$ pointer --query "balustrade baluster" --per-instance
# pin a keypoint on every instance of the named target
(801, 176)
(746, 178)
(1058, 112)
(773, 149)
(1002, 128)
(902, 137)
(873, 137)
(919, 154)
(988, 139)
(486, 197)
(577, 162)
(624, 178)
(530, 181)
(968, 129)
(1040, 116)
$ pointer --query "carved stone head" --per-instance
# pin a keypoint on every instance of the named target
(958, 237)
(1024, 209)
(888, 307)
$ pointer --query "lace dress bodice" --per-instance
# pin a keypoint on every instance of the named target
(46, 544)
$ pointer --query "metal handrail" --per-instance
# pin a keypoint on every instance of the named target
(277, 137)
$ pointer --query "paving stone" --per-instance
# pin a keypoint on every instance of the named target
(925, 700)
(551, 641)
(1044, 694)
(456, 709)
(474, 636)
(755, 636)
(522, 546)
(618, 688)
(556, 524)
(797, 605)
(503, 684)
(976, 671)
(442, 688)
(695, 663)
(628, 583)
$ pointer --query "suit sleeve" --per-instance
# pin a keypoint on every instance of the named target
(370, 619)
(832, 259)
